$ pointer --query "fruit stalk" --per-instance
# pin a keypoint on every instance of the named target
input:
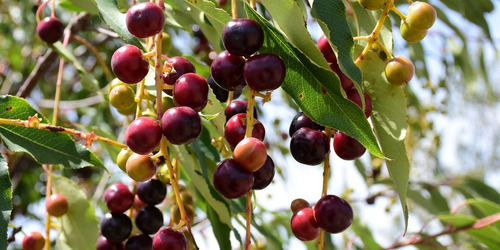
(48, 192)
(248, 212)
(326, 176)
(234, 8)
(158, 77)
(400, 14)
(375, 33)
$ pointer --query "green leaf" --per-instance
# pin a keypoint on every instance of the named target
(221, 230)
(457, 220)
(331, 16)
(482, 189)
(116, 20)
(45, 146)
(80, 226)
(83, 5)
(87, 80)
(316, 90)
(5, 201)
(365, 235)
(294, 29)
(389, 121)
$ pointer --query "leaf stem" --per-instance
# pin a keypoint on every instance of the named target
(59, 129)
(40, 9)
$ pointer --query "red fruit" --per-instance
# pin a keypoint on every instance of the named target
(326, 50)
(118, 198)
(191, 90)
(231, 180)
(181, 66)
(50, 29)
(345, 81)
(128, 64)
(347, 147)
(33, 241)
(105, 244)
(237, 126)
(227, 71)
(169, 238)
(353, 95)
(333, 214)
(145, 19)
(304, 226)
(250, 153)
(264, 72)
(181, 125)
(56, 205)
(242, 36)
(143, 135)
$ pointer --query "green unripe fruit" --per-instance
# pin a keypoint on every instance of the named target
(140, 167)
(166, 43)
(399, 70)
(175, 212)
(410, 34)
(186, 198)
(421, 16)
(372, 4)
(115, 82)
(129, 111)
(121, 159)
(122, 97)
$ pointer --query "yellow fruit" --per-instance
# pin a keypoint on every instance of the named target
(122, 97)
(421, 16)
(410, 34)
(399, 70)
(372, 4)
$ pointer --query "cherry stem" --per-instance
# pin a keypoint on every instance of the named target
(97, 55)
(326, 178)
(158, 78)
(234, 8)
(138, 97)
(373, 37)
(230, 97)
(173, 181)
(53, 14)
(250, 107)
(252, 3)
(400, 14)
(59, 129)
(39, 10)
(149, 54)
(248, 212)
(389, 55)
(134, 192)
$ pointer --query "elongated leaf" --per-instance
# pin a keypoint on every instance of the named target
(111, 14)
(45, 146)
(389, 121)
(85, 5)
(5, 201)
(365, 234)
(330, 14)
(221, 230)
(87, 80)
(316, 90)
(457, 220)
(294, 28)
(80, 226)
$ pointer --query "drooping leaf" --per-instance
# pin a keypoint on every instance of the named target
(5, 201)
(84, 5)
(330, 14)
(457, 220)
(316, 90)
(79, 228)
(88, 82)
(111, 14)
(389, 121)
(45, 146)
(221, 230)
(294, 29)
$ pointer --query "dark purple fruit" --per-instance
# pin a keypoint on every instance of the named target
(181, 66)
(227, 71)
(118, 198)
(105, 244)
(301, 120)
(191, 90)
(345, 81)
(152, 192)
(149, 219)
(231, 180)
(238, 107)
(264, 72)
(169, 238)
(116, 227)
(50, 29)
(139, 242)
(128, 64)
(143, 135)
(220, 93)
(264, 176)
(304, 226)
(333, 214)
(353, 95)
(236, 128)
(347, 147)
(242, 37)
(181, 125)
(144, 19)
(309, 146)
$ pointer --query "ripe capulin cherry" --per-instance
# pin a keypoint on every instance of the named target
(227, 71)
(128, 64)
(231, 180)
(143, 135)
(191, 90)
(50, 29)
(333, 214)
(243, 36)
(144, 19)
(181, 125)
(309, 146)
(264, 72)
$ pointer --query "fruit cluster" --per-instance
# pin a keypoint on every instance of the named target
(331, 213)
(116, 227)
(233, 69)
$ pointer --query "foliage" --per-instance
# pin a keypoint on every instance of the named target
(400, 135)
